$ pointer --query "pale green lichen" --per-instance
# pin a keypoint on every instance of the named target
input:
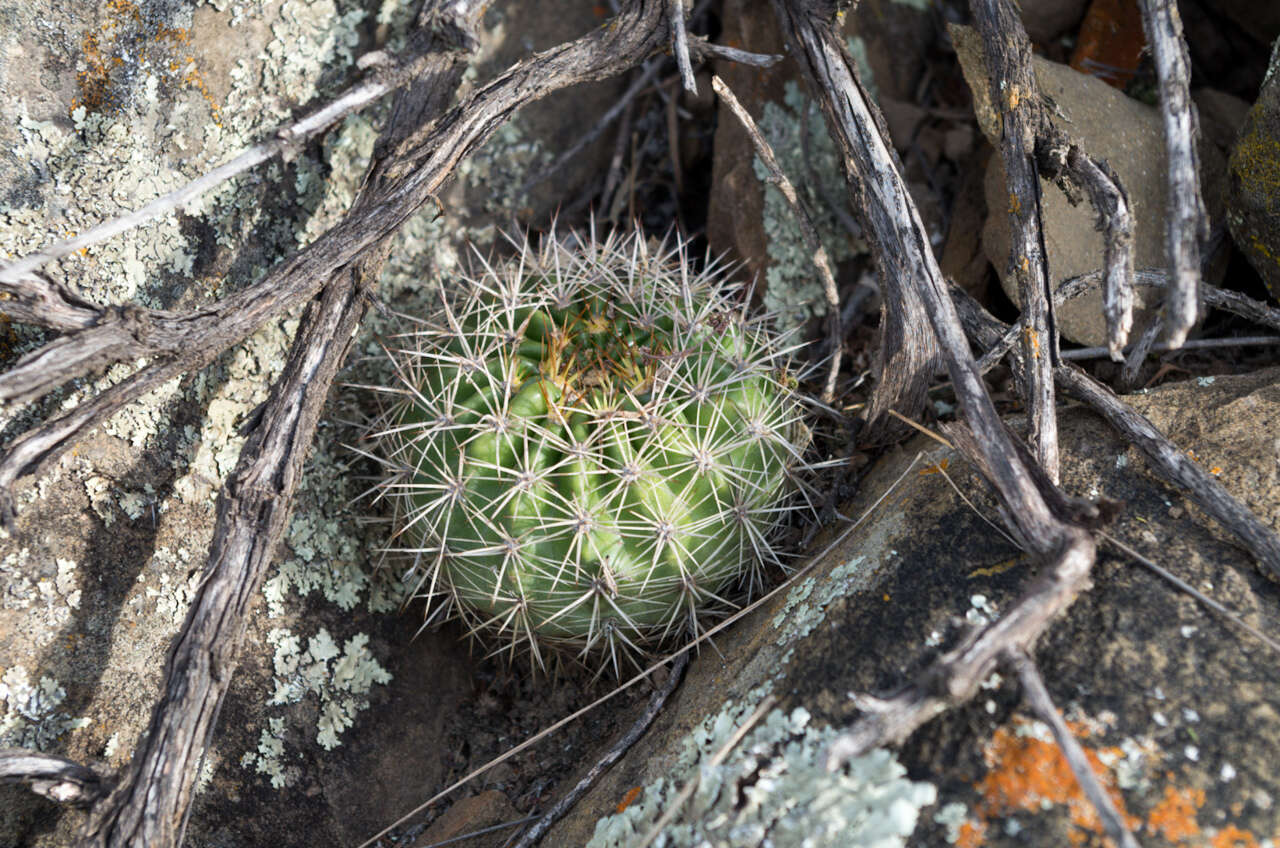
(31, 717)
(78, 172)
(170, 582)
(773, 790)
(953, 817)
(794, 292)
(46, 589)
(807, 603)
(340, 678)
(502, 166)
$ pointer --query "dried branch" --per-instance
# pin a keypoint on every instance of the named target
(1193, 344)
(1175, 466)
(807, 230)
(1187, 228)
(909, 356)
(1139, 353)
(657, 700)
(1037, 697)
(898, 236)
(1225, 299)
(1165, 457)
(382, 75)
(421, 164)
(699, 48)
(1014, 94)
(680, 44)
(1115, 220)
(150, 805)
(56, 778)
(957, 675)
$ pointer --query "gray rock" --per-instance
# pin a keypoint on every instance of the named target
(1253, 199)
(338, 719)
(1108, 125)
(1180, 709)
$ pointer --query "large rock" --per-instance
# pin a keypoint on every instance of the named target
(752, 223)
(1178, 710)
(1108, 125)
(1253, 199)
(338, 720)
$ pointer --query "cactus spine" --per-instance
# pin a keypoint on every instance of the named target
(588, 448)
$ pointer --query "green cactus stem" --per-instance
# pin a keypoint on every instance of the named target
(589, 448)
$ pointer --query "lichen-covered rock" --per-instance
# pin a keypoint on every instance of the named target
(1253, 199)
(111, 105)
(1178, 710)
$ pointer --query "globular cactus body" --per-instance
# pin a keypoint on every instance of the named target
(588, 448)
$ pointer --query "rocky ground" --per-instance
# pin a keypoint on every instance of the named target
(343, 715)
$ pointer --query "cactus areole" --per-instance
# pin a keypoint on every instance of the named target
(590, 447)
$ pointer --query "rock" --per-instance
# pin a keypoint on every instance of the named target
(1048, 20)
(338, 719)
(754, 226)
(1253, 198)
(1107, 124)
(470, 815)
(1179, 710)
(1257, 20)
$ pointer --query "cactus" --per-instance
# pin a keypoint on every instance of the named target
(588, 448)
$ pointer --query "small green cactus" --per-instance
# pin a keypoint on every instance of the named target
(588, 448)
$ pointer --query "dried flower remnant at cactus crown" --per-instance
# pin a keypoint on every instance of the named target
(589, 448)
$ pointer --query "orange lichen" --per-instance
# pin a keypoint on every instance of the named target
(1175, 816)
(632, 794)
(1027, 774)
(972, 835)
(1033, 339)
(936, 468)
(125, 37)
(1233, 837)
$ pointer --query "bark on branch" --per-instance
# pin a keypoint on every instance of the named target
(909, 356)
(56, 778)
(1165, 457)
(175, 343)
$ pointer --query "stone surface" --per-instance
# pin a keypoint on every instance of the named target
(1177, 708)
(1110, 126)
(1253, 198)
(1048, 20)
(472, 814)
(338, 719)
(751, 223)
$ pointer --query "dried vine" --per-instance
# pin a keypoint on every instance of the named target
(923, 327)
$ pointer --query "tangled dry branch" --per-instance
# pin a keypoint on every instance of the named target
(923, 327)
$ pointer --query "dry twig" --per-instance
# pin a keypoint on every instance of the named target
(1165, 457)
(56, 778)
(680, 44)
(657, 700)
(1037, 697)
(957, 675)
(1187, 228)
(1014, 95)
(909, 356)
(807, 229)
(415, 157)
